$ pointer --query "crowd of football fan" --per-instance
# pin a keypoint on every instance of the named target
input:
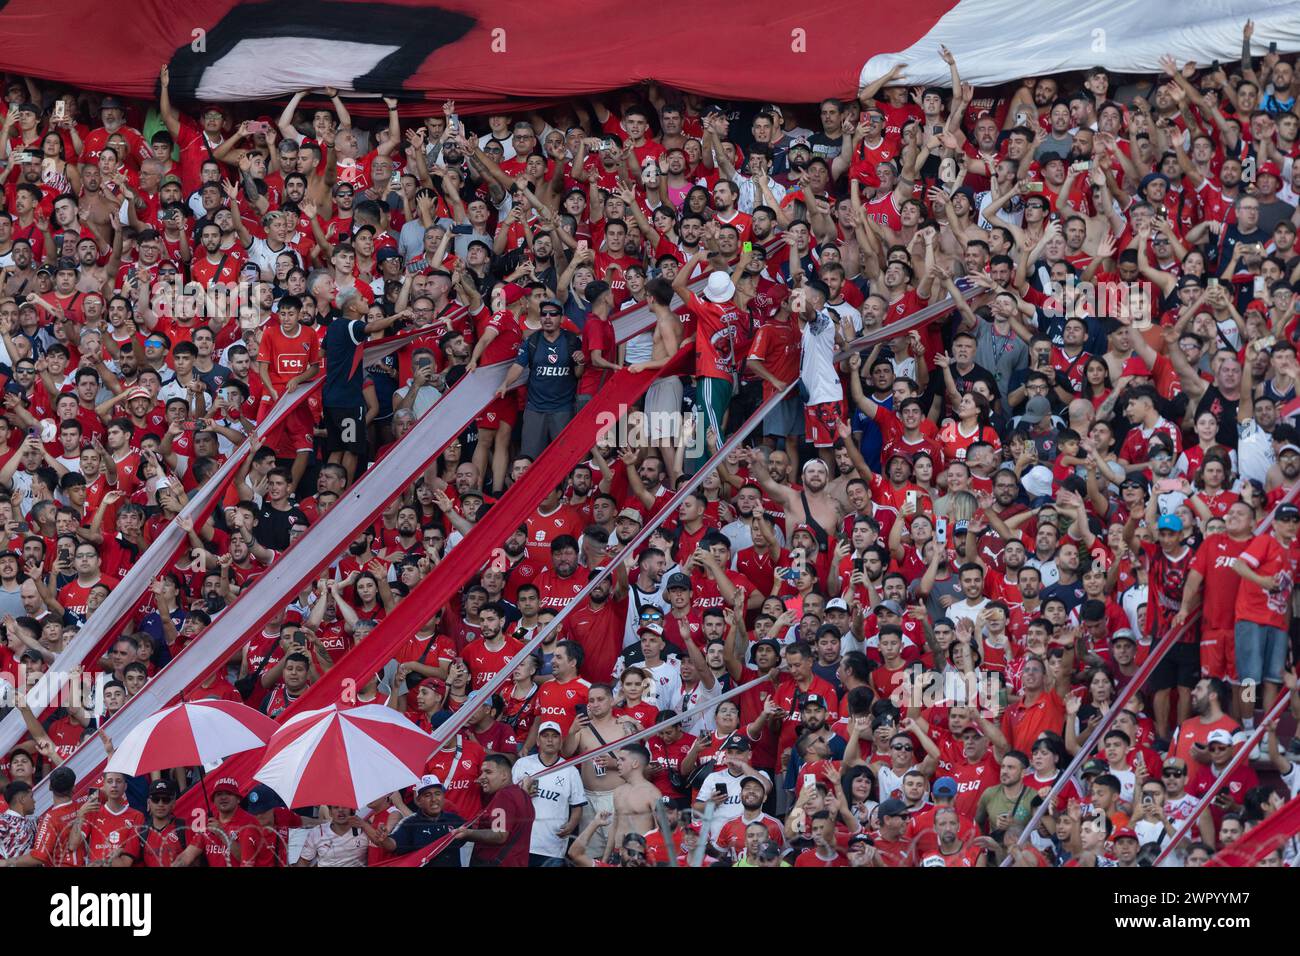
(937, 563)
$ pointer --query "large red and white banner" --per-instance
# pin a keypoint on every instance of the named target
(485, 54)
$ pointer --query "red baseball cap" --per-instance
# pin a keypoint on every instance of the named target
(1269, 169)
(436, 685)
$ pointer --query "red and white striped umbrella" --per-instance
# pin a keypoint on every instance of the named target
(344, 756)
(189, 735)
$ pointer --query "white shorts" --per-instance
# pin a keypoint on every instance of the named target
(597, 801)
(663, 409)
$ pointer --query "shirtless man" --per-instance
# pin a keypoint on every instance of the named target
(813, 506)
(663, 402)
(597, 728)
(635, 798)
(100, 209)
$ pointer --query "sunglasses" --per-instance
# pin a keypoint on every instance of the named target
(158, 799)
(901, 747)
(553, 314)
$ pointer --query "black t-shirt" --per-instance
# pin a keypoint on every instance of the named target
(965, 381)
(273, 525)
(215, 377)
(342, 387)
(1225, 410)
(1231, 236)
(825, 147)
(552, 383)
(417, 831)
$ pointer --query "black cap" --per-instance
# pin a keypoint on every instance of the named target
(162, 788)
(893, 807)
(737, 742)
(677, 580)
(262, 798)
(66, 264)
(813, 700)
(1287, 512)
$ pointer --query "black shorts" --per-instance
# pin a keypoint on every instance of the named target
(345, 429)
(1180, 667)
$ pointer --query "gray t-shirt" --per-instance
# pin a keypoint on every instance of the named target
(11, 602)
(1054, 144)
(464, 235)
(1001, 355)
(943, 587)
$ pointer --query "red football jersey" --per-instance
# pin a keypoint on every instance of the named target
(484, 664)
(543, 529)
(287, 356)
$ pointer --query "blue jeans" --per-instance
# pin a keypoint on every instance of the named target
(1261, 652)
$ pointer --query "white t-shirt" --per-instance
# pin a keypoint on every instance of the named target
(328, 848)
(1127, 780)
(960, 609)
(557, 793)
(638, 600)
(665, 690)
(261, 253)
(698, 695)
(428, 397)
(1254, 450)
(817, 367)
